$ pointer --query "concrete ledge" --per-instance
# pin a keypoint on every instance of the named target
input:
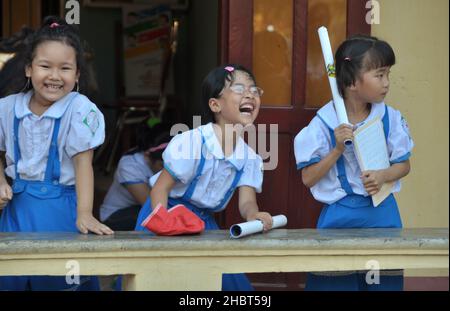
(196, 262)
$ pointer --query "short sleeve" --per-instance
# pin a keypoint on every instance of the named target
(130, 171)
(252, 175)
(399, 143)
(87, 127)
(182, 156)
(311, 144)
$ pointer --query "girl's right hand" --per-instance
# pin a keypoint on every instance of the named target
(342, 133)
(6, 194)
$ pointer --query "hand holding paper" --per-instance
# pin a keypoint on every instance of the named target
(372, 155)
(372, 181)
(255, 226)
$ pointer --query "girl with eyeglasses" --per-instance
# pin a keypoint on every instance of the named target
(204, 166)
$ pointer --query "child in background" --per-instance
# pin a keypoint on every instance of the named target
(130, 188)
(48, 132)
(217, 160)
(330, 168)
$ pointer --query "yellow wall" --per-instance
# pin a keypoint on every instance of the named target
(418, 32)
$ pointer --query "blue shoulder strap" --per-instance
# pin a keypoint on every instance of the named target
(190, 190)
(53, 169)
(16, 146)
(386, 122)
(230, 191)
(342, 176)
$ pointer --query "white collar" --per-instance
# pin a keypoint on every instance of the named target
(239, 155)
(55, 111)
(328, 114)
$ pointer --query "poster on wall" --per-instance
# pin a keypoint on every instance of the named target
(146, 41)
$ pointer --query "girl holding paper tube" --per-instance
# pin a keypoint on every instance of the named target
(204, 166)
(330, 168)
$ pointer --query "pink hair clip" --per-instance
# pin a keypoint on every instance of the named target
(157, 148)
(54, 25)
(347, 59)
(229, 68)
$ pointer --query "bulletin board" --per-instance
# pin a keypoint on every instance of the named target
(146, 44)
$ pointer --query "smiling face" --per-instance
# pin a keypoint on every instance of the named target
(53, 72)
(234, 108)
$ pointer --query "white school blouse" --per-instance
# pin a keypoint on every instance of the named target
(182, 158)
(82, 128)
(313, 143)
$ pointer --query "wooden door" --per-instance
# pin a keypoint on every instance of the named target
(19, 13)
(277, 40)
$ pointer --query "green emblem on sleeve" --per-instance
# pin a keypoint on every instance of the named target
(91, 121)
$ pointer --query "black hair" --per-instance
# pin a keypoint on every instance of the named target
(214, 83)
(12, 75)
(358, 54)
(25, 46)
(148, 137)
(162, 138)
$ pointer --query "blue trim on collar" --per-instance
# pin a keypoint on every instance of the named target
(326, 124)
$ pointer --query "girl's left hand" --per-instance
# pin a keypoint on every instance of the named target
(6, 194)
(373, 181)
(266, 219)
(87, 222)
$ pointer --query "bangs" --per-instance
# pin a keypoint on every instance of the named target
(379, 55)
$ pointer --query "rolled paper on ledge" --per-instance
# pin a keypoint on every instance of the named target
(331, 72)
(255, 226)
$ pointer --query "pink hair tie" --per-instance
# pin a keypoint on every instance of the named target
(347, 59)
(54, 25)
(229, 68)
(157, 148)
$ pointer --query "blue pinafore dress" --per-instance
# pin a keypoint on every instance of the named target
(42, 206)
(230, 282)
(357, 211)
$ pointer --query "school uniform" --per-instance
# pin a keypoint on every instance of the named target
(120, 209)
(39, 151)
(347, 204)
(206, 179)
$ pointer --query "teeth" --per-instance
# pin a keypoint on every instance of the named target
(53, 86)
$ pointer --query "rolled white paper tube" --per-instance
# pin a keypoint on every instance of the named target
(255, 226)
(329, 66)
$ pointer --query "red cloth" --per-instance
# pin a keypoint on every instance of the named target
(178, 220)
